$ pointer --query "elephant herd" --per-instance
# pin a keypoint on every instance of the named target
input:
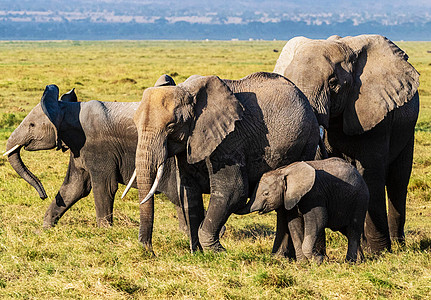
(258, 138)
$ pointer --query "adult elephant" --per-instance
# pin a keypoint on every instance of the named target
(231, 131)
(364, 92)
(102, 139)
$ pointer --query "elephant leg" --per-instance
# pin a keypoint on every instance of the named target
(228, 194)
(182, 223)
(193, 211)
(296, 230)
(189, 196)
(104, 190)
(315, 222)
(76, 185)
(354, 243)
(320, 246)
(396, 185)
(376, 229)
(283, 244)
(184, 227)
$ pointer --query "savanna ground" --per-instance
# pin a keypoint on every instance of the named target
(78, 260)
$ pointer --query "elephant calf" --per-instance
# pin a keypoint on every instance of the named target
(317, 194)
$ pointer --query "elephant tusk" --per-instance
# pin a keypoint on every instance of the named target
(129, 185)
(11, 150)
(155, 184)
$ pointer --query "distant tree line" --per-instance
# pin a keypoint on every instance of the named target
(161, 29)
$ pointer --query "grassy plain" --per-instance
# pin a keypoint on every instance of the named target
(78, 260)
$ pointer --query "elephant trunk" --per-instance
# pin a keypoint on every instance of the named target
(13, 151)
(150, 155)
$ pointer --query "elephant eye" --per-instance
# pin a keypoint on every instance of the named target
(32, 125)
(265, 193)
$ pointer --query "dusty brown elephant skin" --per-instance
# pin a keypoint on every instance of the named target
(364, 92)
(317, 194)
(102, 139)
(231, 130)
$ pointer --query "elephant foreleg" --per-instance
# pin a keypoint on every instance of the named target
(228, 193)
(296, 230)
(189, 196)
(315, 222)
(104, 189)
(397, 181)
(193, 210)
(76, 185)
(283, 244)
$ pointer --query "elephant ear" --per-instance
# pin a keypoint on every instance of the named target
(49, 103)
(51, 108)
(165, 80)
(70, 96)
(298, 180)
(383, 81)
(216, 110)
(287, 54)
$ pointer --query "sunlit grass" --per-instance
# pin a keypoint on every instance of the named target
(78, 260)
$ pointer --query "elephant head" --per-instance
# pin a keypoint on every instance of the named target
(361, 78)
(38, 131)
(191, 118)
(286, 185)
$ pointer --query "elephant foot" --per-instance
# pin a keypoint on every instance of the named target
(148, 250)
(49, 222)
(350, 260)
(104, 222)
(285, 250)
(400, 240)
(217, 247)
(360, 258)
(196, 247)
(376, 247)
(48, 225)
(209, 243)
(283, 254)
(318, 258)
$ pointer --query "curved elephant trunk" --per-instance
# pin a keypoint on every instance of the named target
(14, 158)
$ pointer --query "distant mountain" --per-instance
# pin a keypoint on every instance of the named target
(209, 19)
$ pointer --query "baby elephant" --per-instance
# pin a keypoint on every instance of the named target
(317, 194)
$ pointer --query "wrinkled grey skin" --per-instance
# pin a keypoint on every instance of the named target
(102, 139)
(364, 92)
(317, 194)
(231, 132)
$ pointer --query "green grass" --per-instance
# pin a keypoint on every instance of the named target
(78, 260)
